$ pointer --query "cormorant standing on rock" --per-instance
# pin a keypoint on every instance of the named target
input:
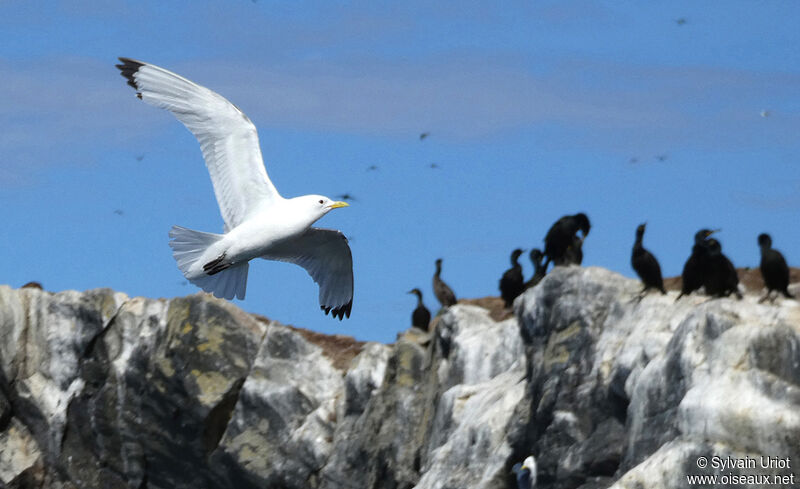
(562, 236)
(574, 253)
(421, 317)
(696, 267)
(511, 284)
(442, 291)
(774, 270)
(721, 278)
(645, 264)
(539, 272)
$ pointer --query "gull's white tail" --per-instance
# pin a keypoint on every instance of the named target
(188, 246)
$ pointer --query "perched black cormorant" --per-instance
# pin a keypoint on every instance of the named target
(562, 236)
(511, 284)
(645, 264)
(574, 253)
(539, 272)
(774, 270)
(421, 317)
(696, 267)
(442, 291)
(721, 279)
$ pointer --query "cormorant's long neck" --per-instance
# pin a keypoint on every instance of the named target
(637, 245)
(438, 270)
(419, 299)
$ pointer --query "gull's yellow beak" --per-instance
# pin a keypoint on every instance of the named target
(335, 205)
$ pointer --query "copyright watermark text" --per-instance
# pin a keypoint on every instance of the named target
(763, 470)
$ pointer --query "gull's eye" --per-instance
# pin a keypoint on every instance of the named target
(320, 201)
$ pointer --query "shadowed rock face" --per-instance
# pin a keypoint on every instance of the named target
(101, 390)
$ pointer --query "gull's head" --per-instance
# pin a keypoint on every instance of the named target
(318, 205)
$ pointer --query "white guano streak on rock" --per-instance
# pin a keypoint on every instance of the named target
(480, 348)
(474, 449)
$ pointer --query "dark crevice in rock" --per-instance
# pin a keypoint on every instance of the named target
(143, 484)
(617, 398)
(6, 409)
(90, 345)
(218, 418)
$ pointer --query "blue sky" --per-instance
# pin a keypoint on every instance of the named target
(534, 109)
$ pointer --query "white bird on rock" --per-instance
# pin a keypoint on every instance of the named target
(526, 473)
(259, 222)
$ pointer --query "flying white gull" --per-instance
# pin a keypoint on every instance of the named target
(258, 221)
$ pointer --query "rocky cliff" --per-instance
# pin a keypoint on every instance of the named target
(99, 390)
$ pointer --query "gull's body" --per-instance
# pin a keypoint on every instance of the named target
(526, 473)
(259, 222)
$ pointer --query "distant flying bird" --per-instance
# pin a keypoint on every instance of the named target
(421, 317)
(765, 113)
(372, 168)
(525, 473)
(424, 135)
(346, 196)
(139, 157)
(259, 222)
(645, 264)
(774, 269)
(681, 21)
(661, 157)
(633, 160)
(444, 294)
(433, 165)
(511, 283)
(562, 237)
(119, 212)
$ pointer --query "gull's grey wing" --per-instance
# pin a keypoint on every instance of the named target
(325, 255)
(228, 139)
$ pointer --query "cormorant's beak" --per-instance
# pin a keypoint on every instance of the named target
(713, 231)
(335, 205)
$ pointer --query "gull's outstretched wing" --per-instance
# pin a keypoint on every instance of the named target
(325, 255)
(228, 139)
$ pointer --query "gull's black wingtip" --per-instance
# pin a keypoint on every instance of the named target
(128, 68)
(339, 312)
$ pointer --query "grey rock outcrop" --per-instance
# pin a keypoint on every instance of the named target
(101, 390)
